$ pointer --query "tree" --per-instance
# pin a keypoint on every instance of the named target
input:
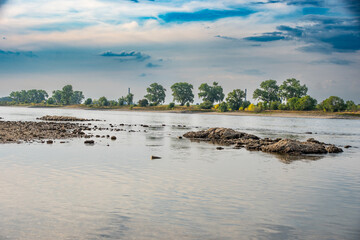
(268, 91)
(57, 96)
(333, 104)
(103, 101)
(88, 101)
(129, 98)
(211, 93)
(351, 106)
(206, 105)
(66, 94)
(143, 102)
(122, 101)
(156, 94)
(291, 88)
(182, 92)
(77, 97)
(50, 100)
(235, 99)
(306, 103)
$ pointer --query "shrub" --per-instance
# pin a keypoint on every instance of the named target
(333, 104)
(188, 104)
(216, 106)
(351, 106)
(282, 107)
(88, 101)
(245, 104)
(251, 108)
(171, 105)
(206, 105)
(306, 103)
(143, 102)
(223, 107)
(274, 105)
(241, 108)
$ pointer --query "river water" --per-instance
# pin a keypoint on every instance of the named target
(75, 191)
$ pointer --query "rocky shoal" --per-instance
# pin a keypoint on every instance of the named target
(65, 119)
(227, 136)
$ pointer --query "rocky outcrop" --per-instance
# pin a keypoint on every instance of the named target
(227, 136)
(24, 131)
(65, 119)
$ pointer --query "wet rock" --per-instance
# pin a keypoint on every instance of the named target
(308, 133)
(219, 148)
(113, 138)
(155, 157)
(347, 146)
(180, 137)
(227, 136)
(89, 142)
(64, 118)
(49, 141)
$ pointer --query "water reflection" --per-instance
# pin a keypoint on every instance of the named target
(287, 159)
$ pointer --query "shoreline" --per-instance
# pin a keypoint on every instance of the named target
(268, 113)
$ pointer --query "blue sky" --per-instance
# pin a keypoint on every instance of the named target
(102, 47)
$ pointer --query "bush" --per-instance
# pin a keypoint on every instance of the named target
(332, 104)
(88, 101)
(351, 106)
(245, 104)
(282, 107)
(241, 108)
(292, 103)
(50, 101)
(171, 105)
(143, 102)
(275, 105)
(217, 106)
(251, 108)
(188, 104)
(223, 107)
(306, 103)
(206, 105)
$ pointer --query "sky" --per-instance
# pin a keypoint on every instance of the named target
(104, 47)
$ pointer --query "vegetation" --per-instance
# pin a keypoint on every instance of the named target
(156, 94)
(235, 99)
(268, 92)
(182, 93)
(290, 95)
(211, 93)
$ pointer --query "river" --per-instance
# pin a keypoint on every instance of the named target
(113, 190)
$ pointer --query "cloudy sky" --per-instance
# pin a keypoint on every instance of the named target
(103, 47)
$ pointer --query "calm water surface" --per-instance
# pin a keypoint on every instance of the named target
(73, 191)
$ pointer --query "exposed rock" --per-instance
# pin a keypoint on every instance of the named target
(155, 157)
(113, 138)
(227, 136)
(49, 141)
(65, 118)
(347, 146)
(26, 131)
(219, 148)
(89, 141)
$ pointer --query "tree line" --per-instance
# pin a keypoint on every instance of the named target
(290, 95)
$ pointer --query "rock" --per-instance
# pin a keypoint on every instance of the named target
(113, 138)
(347, 146)
(145, 125)
(155, 157)
(49, 141)
(227, 136)
(89, 141)
(289, 146)
(308, 132)
(65, 118)
(180, 137)
(219, 148)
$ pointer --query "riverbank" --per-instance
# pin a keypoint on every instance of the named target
(196, 110)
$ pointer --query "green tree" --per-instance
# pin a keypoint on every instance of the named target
(156, 94)
(306, 103)
(66, 94)
(292, 103)
(50, 100)
(129, 98)
(77, 97)
(182, 93)
(57, 96)
(113, 103)
(333, 104)
(122, 101)
(103, 102)
(351, 106)
(88, 101)
(268, 91)
(206, 105)
(292, 88)
(235, 99)
(143, 102)
(211, 93)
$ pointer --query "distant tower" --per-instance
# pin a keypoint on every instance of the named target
(129, 91)
(245, 94)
